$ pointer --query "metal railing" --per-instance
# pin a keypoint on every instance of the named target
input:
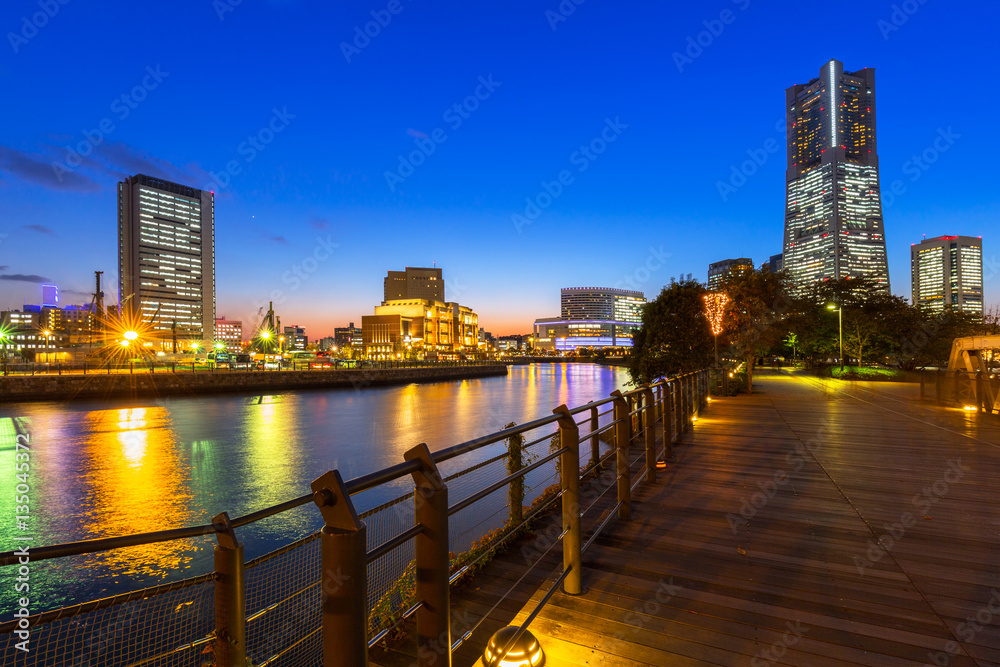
(333, 616)
(977, 391)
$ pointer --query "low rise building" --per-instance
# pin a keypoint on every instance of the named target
(420, 327)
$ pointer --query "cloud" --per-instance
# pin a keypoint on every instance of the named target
(4, 267)
(32, 170)
(41, 229)
(319, 223)
(75, 292)
(22, 278)
(276, 239)
(415, 133)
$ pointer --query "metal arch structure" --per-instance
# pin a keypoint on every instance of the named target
(969, 354)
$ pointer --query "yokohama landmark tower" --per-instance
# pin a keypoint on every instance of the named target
(833, 209)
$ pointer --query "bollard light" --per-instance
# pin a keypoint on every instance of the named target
(525, 652)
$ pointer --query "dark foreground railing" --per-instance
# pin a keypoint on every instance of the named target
(331, 596)
(975, 391)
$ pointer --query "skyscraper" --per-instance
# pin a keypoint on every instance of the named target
(414, 283)
(833, 207)
(717, 271)
(166, 255)
(948, 270)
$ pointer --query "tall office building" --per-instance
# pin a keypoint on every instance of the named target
(948, 270)
(717, 271)
(414, 283)
(833, 208)
(166, 256)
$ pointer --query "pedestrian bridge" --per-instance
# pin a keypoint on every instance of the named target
(815, 522)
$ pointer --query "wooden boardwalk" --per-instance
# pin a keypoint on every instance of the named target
(811, 523)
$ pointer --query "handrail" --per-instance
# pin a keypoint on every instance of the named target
(677, 401)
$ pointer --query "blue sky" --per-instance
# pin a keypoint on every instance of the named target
(202, 77)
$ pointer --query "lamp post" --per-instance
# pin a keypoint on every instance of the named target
(840, 321)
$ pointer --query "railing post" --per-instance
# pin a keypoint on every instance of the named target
(569, 439)
(678, 408)
(230, 601)
(623, 435)
(649, 424)
(344, 558)
(430, 497)
(668, 420)
(595, 443)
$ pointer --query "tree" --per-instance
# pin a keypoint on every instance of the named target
(792, 341)
(757, 303)
(675, 336)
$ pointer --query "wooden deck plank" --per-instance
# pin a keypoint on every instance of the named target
(766, 524)
(866, 453)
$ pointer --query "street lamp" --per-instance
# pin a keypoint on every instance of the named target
(840, 320)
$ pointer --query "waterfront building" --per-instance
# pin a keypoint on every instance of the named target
(295, 338)
(229, 333)
(414, 283)
(833, 207)
(166, 251)
(420, 327)
(948, 270)
(349, 336)
(591, 317)
(717, 271)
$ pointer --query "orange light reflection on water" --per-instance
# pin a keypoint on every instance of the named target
(138, 484)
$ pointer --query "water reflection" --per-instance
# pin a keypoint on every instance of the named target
(135, 482)
(108, 468)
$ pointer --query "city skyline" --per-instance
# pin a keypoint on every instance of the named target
(317, 206)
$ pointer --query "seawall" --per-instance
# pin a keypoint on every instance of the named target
(123, 385)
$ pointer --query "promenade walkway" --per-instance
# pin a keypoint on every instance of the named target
(814, 522)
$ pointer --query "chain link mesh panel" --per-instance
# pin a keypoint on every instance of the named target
(158, 627)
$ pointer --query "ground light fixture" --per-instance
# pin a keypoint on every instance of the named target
(525, 652)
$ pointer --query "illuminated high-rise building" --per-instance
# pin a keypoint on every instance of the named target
(948, 270)
(717, 271)
(833, 207)
(166, 257)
